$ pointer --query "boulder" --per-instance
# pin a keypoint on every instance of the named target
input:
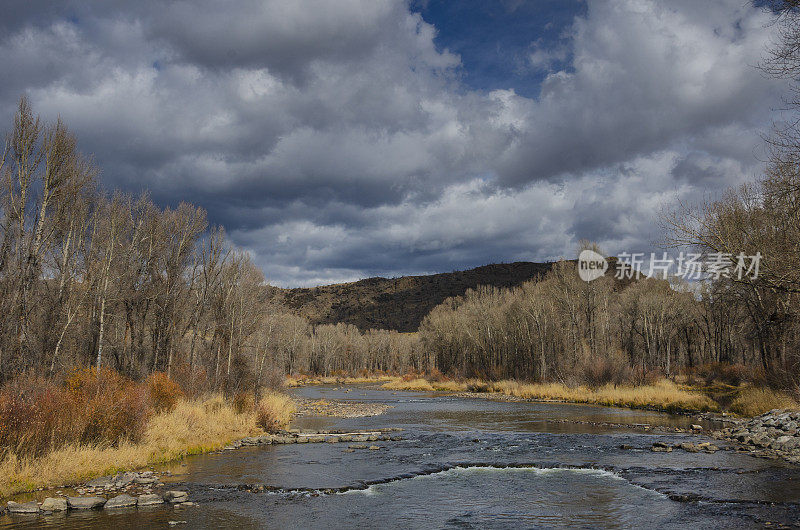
(690, 447)
(176, 496)
(708, 447)
(22, 507)
(100, 482)
(124, 479)
(52, 504)
(120, 501)
(761, 441)
(661, 447)
(697, 427)
(85, 503)
(149, 500)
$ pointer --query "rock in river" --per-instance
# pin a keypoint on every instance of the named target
(85, 503)
(25, 507)
(176, 496)
(120, 501)
(149, 500)
(661, 447)
(51, 504)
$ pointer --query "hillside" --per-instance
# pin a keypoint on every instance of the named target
(398, 303)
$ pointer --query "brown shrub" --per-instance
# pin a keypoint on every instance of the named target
(476, 385)
(243, 402)
(731, 374)
(36, 414)
(164, 392)
(114, 408)
(437, 375)
(601, 371)
(40, 415)
(193, 380)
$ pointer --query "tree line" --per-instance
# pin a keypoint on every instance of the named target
(113, 280)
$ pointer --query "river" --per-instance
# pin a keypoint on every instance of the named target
(473, 463)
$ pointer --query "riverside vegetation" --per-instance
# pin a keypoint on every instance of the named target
(98, 422)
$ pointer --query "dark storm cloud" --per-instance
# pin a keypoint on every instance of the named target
(336, 140)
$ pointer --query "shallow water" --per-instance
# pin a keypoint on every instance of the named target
(475, 463)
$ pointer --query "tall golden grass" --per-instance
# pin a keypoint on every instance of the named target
(192, 427)
(274, 411)
(663, 395)
(753, 401)
(293, 381)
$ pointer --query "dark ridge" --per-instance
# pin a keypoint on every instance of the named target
(399, 303)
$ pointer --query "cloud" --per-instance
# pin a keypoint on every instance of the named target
(644, 76)
(337, 140)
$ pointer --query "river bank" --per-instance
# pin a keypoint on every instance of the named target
(460, 461)
(773, 435)
(191, 427)
(664, 395)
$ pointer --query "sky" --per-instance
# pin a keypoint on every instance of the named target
(342, 139)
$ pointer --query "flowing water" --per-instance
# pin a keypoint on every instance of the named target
(474, 463)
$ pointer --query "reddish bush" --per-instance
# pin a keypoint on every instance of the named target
(164, 392)
(40, 415)
(114, 408)
(36, 415)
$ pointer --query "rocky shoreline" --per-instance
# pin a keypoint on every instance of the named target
(773, 435)
(129, 490)
(140, 489)
(298, 437)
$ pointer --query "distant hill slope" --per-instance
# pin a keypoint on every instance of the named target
(399, 303)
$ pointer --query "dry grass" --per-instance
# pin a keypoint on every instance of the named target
(293, 381)
(448, 386)
(663, 395)
(753, 401)
(274, 411)
(419, 384)
(192, 427)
